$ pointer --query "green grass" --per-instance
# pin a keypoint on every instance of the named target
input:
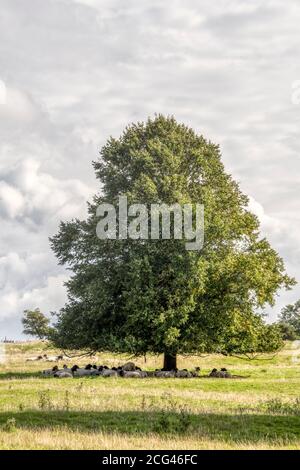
(260, 411)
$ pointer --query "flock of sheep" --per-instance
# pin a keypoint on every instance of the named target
(128, 370)
(46, 358)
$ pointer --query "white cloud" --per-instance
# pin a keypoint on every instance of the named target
(50, 296)
(18, 107)
(11, 200)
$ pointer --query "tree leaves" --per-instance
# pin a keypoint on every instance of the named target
(138, 296)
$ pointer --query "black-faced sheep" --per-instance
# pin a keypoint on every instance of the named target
(50, 372)
(86, 372)
(220, 374)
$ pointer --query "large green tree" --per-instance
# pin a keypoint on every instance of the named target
(140, 296)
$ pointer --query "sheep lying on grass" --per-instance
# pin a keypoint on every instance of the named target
(220, 374)
(62, 374)
(183, 373)
(109, 373)
(37, 358)
(50, 372)
(134, 374)
(88, 371)
(46, 358)
(166, 374)
(129, 370)
(58, 358)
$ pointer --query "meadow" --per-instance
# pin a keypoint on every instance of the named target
(259, 411)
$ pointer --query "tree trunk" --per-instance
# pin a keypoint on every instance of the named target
(170, 361)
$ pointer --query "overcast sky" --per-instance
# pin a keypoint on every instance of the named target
(79, 71)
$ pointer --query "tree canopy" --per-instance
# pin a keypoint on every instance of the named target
(35, 323)
(289, 321)
(141, 296)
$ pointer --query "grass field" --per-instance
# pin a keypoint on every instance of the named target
(261, 411)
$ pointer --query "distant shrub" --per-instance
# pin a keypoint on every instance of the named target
(277, 406)
(173, 417)
(10, 425)
(45, 402)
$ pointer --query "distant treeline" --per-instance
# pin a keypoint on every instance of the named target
(5, 340)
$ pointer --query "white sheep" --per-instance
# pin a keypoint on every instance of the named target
(62, 374)
(131, 374)
(143, 373)
(166, 374)
(52, 359)
(67, 369)
(88, 371)
(95, 372)
(82, 373)
(35, 358)
(109, 373)
(184, 374)
(50, 372)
